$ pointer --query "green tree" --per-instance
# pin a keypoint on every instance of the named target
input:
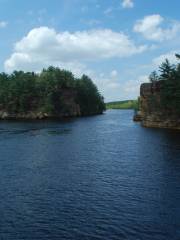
(88, 97)
(167, 71)
(153, 77)
(22, 92)
(170, 86)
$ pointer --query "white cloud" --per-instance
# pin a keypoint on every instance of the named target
(151, 28)
(114, 73)
(3, 24)
(131, 88)
(115, 88)
(108, 83)
(127, 4)
(170, 56)
(44, 46)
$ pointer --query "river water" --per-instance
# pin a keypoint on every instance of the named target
(103, 177)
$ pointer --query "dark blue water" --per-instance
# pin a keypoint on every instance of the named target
(101, 177)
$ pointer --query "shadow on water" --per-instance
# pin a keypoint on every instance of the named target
(35, 127)
(171, 137)
(36, 131)
(60, 131)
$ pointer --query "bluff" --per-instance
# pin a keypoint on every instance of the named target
(153, 112)
(53, 93)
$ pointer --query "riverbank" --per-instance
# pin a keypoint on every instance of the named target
(127, 104)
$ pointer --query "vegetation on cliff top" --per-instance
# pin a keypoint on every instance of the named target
(169, 75)
(22, 92)
(128, 104)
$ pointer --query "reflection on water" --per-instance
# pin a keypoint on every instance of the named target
(34, 131)
(101, 177)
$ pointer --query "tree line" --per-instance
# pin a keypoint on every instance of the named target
(22, 92)
(169, 77)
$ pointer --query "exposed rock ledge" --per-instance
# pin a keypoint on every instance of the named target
(151, 112)
(36, 115)
(155, 121)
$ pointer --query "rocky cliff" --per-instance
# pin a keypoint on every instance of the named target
(152, 111)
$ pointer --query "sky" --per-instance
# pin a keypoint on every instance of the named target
(117, 43)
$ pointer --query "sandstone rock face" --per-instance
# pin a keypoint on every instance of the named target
(137, 117)
(152, 114)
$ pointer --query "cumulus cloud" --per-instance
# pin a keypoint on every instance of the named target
(151, 27)
(109, 84)
(127, 4)
(132, 87)
(3, 24)
(113, 87)
(44, 46)
(170, 56)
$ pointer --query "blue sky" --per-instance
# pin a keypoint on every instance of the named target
(116, 42)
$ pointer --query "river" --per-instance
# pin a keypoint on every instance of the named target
(102, 177)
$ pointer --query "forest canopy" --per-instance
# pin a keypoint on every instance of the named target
(169, 77)
(22, 92)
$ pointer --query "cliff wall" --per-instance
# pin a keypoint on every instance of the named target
(152, 111)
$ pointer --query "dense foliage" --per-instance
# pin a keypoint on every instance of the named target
(29, 91)
(169, 79)
(127, 104)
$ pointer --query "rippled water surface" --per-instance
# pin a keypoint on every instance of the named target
(101, 177)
